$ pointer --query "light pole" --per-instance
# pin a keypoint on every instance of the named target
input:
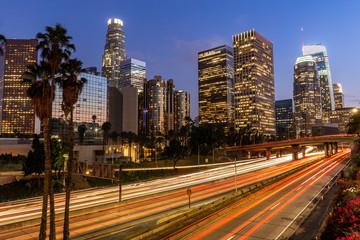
(236, 188)
(199, 153)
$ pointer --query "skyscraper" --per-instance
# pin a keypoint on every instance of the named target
(114, 51)
(215, 75)
(254, 94)
(338, 96)
(182, 108)
(307, 98)
(284, 118)
(132, 74)
(321, 59)
(16, 111)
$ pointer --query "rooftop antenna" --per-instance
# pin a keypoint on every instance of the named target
(302, 40)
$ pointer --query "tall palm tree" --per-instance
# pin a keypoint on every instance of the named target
(55, 47)
(72, 86)
(2, 40)
(106, 127)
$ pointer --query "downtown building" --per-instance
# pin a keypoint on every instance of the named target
(321, 59)
(17, 115)
(284, 118)
(132, 74)
(181, 109)
(338, 96)
(254, 91)
(339, 116)
(215, 82)
(307, 96)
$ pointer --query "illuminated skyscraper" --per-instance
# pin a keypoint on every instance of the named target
(182, 108)
(132, 74)
(114, 51)
(338, 96)
(307, 98)
(254, 94)
(320, 56)
(215, 74)
(284, 118)
(16, 112)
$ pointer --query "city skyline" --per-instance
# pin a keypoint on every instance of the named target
(171, 45)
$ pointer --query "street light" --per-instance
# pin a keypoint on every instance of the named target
(236, 188)
(199, 153)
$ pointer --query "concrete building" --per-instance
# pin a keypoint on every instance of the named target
(340, 116)
(307, 98)
(182, 108)
(338, 96)
(254, 93)
(215, 82)
(17, 115)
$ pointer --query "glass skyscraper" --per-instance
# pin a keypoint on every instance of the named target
(16, 111)
(338, 96)
(254, 91)
(132, 74)
(90, 109)
(215, 81)
(284, 118)
(307, 98)
(320, 56)
(114, 51)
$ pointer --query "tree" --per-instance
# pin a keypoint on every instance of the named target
(72, 86)
(81, 131)
(106, 127)
(114, 135)
(175, 151)
(34, 162)
(129, 138)
(2, 40)
(353, 127)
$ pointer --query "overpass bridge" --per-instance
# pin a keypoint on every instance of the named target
(330, 143)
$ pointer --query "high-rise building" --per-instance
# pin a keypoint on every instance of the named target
(340, 116)
(114, 51)
(215, 79)
(90, 109)
(132, 74)
(320, 56)
(254, 91)
(307, 98)
(182, 108)
(284, 118)
(16, 111)
(338, 96)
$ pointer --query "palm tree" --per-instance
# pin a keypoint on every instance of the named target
(106, 127)
(55, 47)
(2, 40)
(129, 137)
(72, 86)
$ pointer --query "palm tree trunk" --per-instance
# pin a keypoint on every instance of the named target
(42, 234)
(66, 235)
(52, 209)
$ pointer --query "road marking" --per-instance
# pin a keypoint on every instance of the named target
(275, 205)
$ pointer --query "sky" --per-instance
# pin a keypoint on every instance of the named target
(168, 34)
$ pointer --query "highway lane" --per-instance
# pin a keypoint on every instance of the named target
(270, 212)
(128, 215)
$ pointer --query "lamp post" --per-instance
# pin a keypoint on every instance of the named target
(199, 153)
(236, 187)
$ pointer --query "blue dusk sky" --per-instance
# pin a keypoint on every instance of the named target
(168, 34)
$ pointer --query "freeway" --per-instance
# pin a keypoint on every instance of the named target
(114, 221)
(272, 212)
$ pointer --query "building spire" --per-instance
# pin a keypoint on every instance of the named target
(302, 40)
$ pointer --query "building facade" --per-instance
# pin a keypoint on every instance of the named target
(215, 82)
(340, 116)
(132, 74)
(182, 109)
(90, 109)
(114, 51)
(338, 96)
(284, 118)
(307, 97)
(320, 56)
(17, 115)
(254, 93)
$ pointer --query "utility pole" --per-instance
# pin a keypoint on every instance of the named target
(120, 182)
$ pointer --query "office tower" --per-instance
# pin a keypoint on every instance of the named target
(215, 79)
(182, 108)
(321, 59)
(340, 116)
(114, 51)
(254, 94)
(17, 115)
(156, 106)
(90, 109)
(284, 118)
(307, 98)
(338, 96)
(132, 74)
(130, 109)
